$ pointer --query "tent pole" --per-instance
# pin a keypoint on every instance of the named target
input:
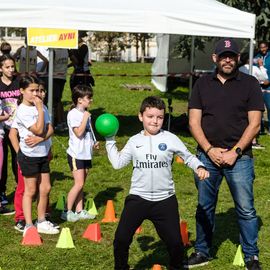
(191, 64)
(50, 85)
(167, 63)
(251, 54)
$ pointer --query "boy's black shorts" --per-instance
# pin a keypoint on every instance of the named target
(31, 166)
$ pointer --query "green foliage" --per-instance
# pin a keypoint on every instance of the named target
(110, 42)
(184, 44)
(103, 183)
(18, 31)
(140, 38)
(261, 8)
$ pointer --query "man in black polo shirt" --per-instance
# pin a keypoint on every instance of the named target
(225, 112)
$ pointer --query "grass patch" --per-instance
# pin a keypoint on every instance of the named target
(104, 183)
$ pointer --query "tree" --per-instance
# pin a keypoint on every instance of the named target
(18, 31)
(138, 38)
(261, 8)
(110, 42)
(183, 47)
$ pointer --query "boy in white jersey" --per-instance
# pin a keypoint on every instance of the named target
(152, 192)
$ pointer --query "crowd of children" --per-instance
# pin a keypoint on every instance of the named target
(25, 128)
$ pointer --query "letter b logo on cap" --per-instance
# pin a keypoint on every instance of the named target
(227, 43)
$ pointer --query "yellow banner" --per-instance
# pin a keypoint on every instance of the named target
(52, 38)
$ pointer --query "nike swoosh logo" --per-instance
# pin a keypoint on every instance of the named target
(138, 146)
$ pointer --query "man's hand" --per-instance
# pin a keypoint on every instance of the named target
(216, 155)
(229, 157)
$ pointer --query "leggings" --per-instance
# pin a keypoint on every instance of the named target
(165, 217)
(6, 143)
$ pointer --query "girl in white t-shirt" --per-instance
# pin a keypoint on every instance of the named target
(32, 120)
(81, 143)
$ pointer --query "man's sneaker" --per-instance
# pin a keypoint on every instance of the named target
(253, 264)
(3, 198)
(19, 225)
(69, 216)
(5, 211)
(257, 146)
(196, 259)
(85, 215)
(46, 228)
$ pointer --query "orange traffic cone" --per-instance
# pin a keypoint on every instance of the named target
(184, 232)
(93, 233)
(179, 160)
(31, 237)
(109, 213)
(156, 267)
(139, 230)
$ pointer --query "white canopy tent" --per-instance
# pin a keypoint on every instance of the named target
(185, 17)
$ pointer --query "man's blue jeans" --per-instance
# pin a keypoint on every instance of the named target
(240, 179)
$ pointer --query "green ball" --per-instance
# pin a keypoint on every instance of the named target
(107, 125)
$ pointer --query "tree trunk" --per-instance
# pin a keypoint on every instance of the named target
(142, 48)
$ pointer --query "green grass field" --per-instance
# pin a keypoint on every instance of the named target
(104, 183)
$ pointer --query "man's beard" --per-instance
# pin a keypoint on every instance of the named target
(227, 72)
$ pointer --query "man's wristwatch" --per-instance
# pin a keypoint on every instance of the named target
(238, 151)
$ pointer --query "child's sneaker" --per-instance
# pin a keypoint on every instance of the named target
(5, 211)
(55, 225)
(46, 227)
(3, 198)
(19, 226)
(85, 215)
(69, 216)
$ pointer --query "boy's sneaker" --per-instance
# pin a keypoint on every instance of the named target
(69, 216)
(196, 259)
(5, 211)
(253, 264)
(3, 198)
(19, 225)
(55, 225)
(46, 228)
(85, 215)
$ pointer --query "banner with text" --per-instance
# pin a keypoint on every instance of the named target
(52, 38)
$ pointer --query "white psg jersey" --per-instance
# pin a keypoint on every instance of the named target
(152, 158)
